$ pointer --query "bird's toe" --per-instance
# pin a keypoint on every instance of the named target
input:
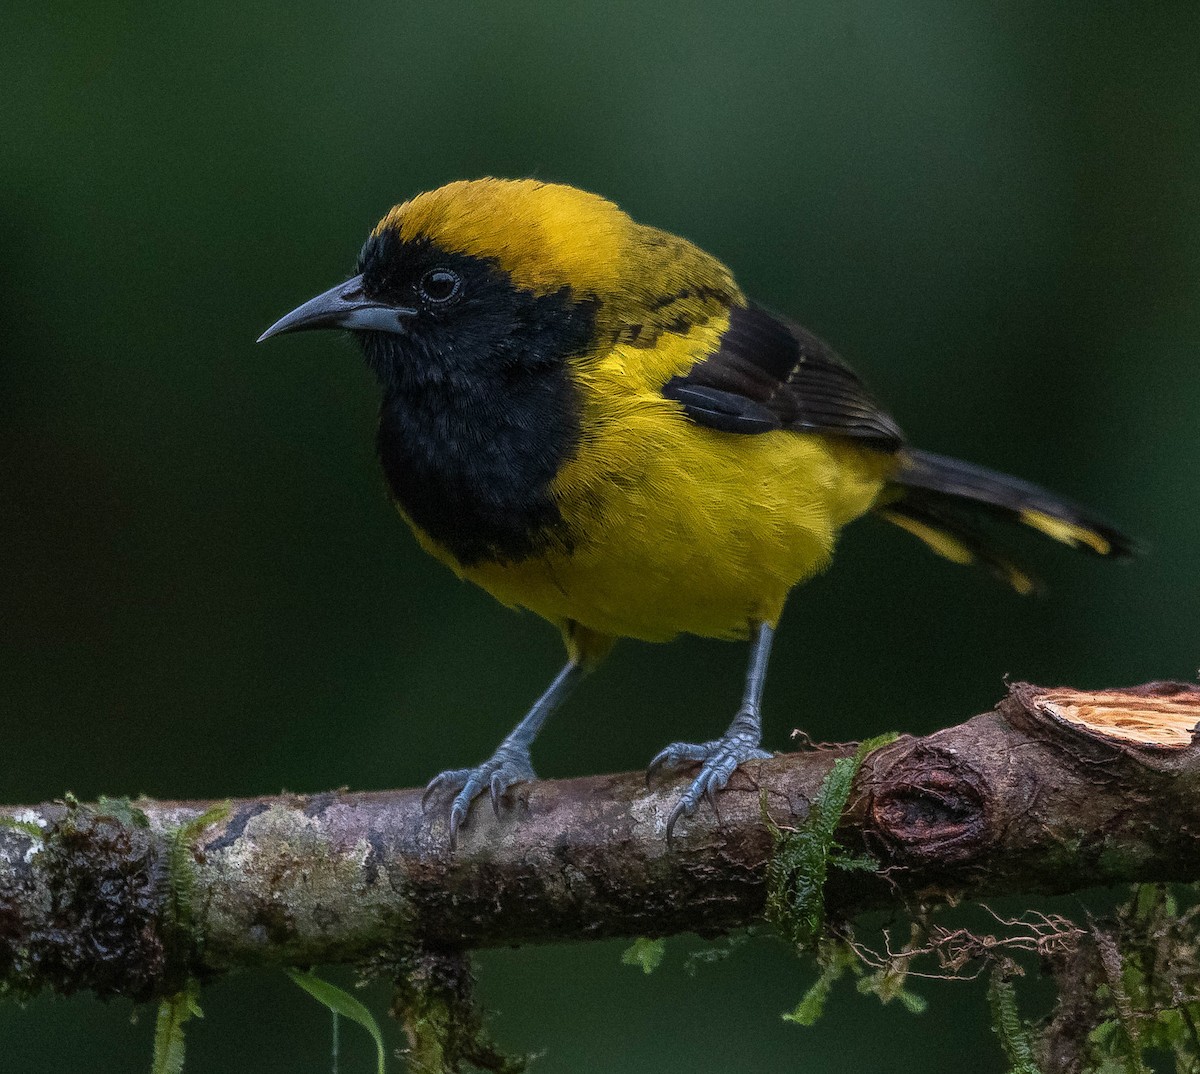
(503, 770)
(718, 761)
(679, 753)
(450, 780)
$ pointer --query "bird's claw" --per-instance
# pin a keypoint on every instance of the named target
(680, 753)
(505, 768)
(452, 778)
(718, 760)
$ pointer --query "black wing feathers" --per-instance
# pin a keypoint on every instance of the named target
(721, 409)
(771, 374)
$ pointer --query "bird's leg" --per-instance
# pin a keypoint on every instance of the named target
(510, 763)
(740, 743)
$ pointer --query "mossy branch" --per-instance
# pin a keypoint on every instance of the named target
(1052, 791)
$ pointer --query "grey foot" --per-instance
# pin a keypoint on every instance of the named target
(506, 767)
(717, 759)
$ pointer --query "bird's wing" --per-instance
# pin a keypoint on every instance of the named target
(769, 373)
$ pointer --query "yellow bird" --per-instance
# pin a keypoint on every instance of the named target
(586, 417)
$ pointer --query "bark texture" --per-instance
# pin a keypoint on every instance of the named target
(1052, 791)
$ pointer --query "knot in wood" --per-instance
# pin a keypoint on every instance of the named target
(930, 804)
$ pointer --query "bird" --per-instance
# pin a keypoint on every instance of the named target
(586, 417)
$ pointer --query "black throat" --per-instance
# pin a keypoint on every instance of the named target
(480, 413)
(471, 462)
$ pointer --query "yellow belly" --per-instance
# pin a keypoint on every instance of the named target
(685, 529)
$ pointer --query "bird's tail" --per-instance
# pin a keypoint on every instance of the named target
(938, 500)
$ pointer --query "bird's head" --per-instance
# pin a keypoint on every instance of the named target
(494, 274)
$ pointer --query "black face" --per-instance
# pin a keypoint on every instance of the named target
(480, 410)
(463, 308)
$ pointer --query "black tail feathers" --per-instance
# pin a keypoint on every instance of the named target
(934, 498)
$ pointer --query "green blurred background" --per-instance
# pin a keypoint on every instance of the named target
(991, 209)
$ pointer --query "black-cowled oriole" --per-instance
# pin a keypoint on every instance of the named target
(586, 417)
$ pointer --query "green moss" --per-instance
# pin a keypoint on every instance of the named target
(173, 1012)
(24, 827)
(109, 929)
(433, 1000)
(1147, 983)
(124, 810)
(181, 875)
(834, 960)
(802, 857)
(644, 953)
(796, 879)
(1015, 1036)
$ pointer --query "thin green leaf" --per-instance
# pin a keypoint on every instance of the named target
(341, 1002)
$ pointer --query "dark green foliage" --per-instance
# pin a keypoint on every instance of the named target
(1131, 989)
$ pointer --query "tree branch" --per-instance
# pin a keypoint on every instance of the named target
(1052, 791)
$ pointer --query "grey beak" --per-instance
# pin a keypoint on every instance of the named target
(343, 306)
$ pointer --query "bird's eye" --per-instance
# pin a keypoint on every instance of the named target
(440, 285)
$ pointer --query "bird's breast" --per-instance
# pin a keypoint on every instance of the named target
(470, 461)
